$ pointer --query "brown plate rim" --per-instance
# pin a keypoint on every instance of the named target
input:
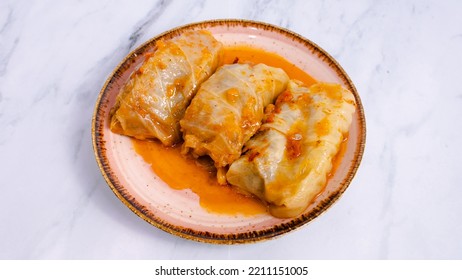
(247, 237)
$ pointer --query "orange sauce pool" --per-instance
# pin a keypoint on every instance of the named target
(246, 54)
(181, 172)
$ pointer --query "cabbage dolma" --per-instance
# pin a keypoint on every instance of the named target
(228, 110)
(154, 100)
(287, 162)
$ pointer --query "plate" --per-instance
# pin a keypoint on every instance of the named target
(178, 211)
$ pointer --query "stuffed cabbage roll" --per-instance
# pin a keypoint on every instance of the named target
(287, 162)
(155, 98)
(228, 110)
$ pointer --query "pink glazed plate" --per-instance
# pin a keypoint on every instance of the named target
(178, 211)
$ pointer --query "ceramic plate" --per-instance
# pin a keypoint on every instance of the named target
(178, 211)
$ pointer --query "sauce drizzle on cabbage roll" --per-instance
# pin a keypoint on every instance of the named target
(287, 162)
(228, 110)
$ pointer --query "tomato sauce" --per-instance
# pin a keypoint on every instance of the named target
(181, 172)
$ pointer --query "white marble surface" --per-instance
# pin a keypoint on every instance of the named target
(404, 57)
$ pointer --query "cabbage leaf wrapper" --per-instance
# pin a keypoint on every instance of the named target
(287, 162)
(153, 101)
(228, 109)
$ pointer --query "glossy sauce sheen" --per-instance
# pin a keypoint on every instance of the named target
(244, 54)
(181, 173)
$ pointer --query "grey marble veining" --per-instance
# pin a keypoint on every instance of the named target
(403, 56)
